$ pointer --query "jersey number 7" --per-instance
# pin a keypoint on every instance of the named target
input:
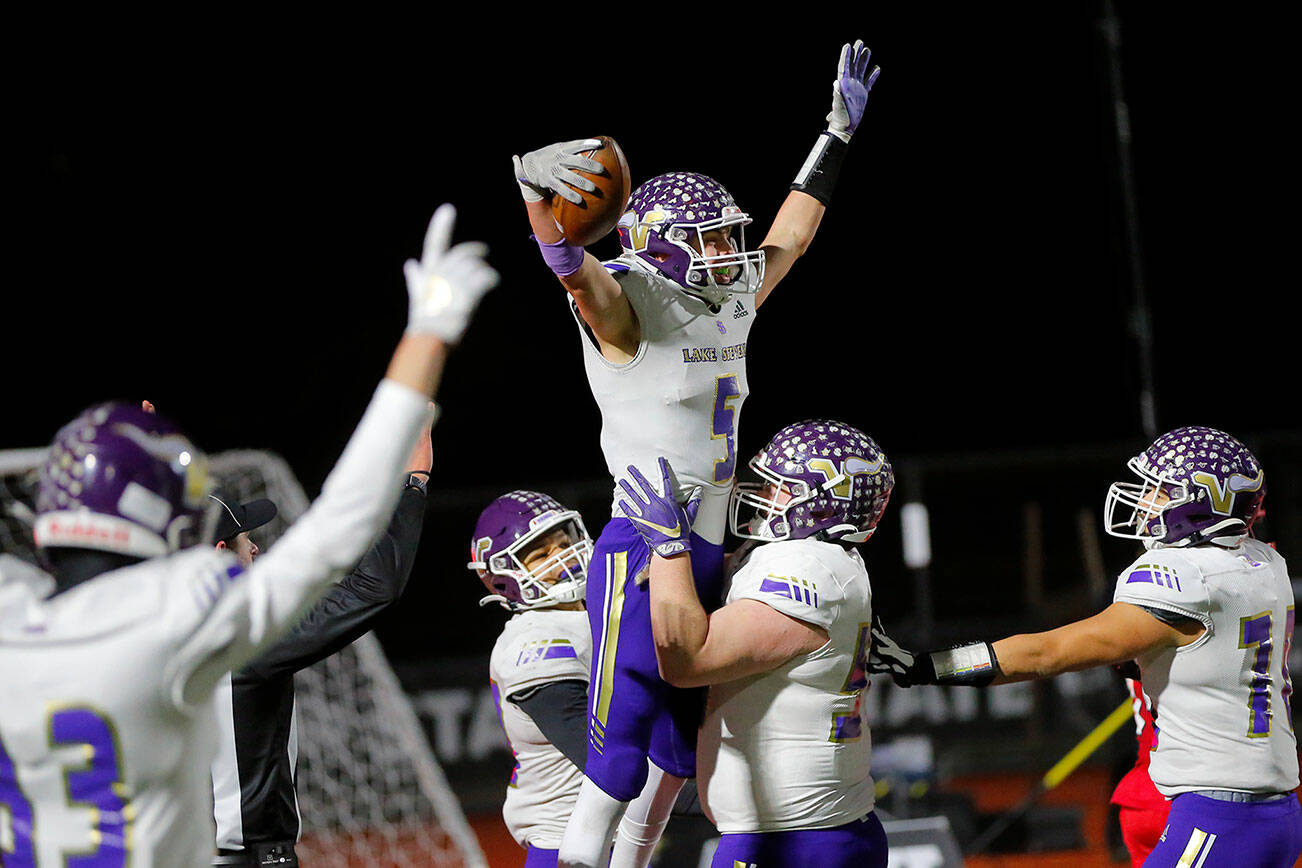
(1256, 632)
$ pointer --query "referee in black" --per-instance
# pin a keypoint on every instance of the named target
(254, 802)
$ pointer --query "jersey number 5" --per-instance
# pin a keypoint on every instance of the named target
(725, 426)
(93, 785)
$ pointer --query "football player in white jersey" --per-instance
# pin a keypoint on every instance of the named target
(664, 332)
(785, 749)
(532, 555)
(107, 726)
(1207, 612)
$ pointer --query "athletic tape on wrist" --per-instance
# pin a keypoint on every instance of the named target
(974, 665)
(561, 257)
(818, 175)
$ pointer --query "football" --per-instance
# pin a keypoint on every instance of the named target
(600, 210)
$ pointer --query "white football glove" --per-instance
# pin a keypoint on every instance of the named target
(445, 285)
(549, 170)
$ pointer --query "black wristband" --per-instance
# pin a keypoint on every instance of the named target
(818, 175)
(417, 479)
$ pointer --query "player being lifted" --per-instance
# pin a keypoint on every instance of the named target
(1207, 612)
(664, 329)
(785, 749)
(107, 727)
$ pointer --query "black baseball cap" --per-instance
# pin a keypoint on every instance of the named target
(236, 518)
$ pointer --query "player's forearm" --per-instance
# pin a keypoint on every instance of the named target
(1028, 656)
(794, 228)
(417, 363)
(1120, 632)
(542, 222)
(679, 622)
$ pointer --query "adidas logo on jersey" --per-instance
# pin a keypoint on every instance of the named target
(740, 310)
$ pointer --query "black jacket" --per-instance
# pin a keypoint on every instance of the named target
(262, 694)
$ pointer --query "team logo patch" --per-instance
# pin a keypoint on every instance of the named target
(792, 588)
(1222, 496)
(1154, 574)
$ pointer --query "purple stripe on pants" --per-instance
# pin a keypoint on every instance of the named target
(632, 713)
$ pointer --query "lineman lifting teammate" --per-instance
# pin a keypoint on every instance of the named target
(785, 749)
(1207, 612)
(107, 726)
(664, 329)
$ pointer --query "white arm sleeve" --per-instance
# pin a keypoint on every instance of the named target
(260, 604)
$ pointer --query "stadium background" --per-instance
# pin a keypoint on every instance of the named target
(216, 221)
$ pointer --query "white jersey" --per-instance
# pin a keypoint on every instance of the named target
(680, 396)
(107, 727)
(1221, 703)
(789, 749)
(535, 648)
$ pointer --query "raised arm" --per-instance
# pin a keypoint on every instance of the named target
(351, 607)
(549, 172)
(255, 607)
(797, 222)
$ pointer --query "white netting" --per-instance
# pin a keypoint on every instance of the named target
(369, 788)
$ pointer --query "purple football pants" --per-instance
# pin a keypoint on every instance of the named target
(859, 844)
(536, 857)
(1209, 833)
(632, 713)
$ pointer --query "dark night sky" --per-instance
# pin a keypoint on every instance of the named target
(219, 224)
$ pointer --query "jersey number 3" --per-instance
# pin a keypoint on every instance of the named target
(93, 784)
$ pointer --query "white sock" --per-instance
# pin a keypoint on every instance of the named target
(645, 819)
(586, 842)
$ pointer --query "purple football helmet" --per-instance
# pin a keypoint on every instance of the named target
(821, 479)
(668, 214)
(507, 530)
(1212, 483)
(121, 480)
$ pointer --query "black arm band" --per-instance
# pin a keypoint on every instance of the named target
(972, 665)
(818, 175)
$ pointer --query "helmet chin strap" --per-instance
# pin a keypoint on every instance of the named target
(497, 598)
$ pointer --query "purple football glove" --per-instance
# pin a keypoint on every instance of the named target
(659, 518)
(850, 90)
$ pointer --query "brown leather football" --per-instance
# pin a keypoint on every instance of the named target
(600, 210)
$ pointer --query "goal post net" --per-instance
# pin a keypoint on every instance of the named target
(370, 790)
